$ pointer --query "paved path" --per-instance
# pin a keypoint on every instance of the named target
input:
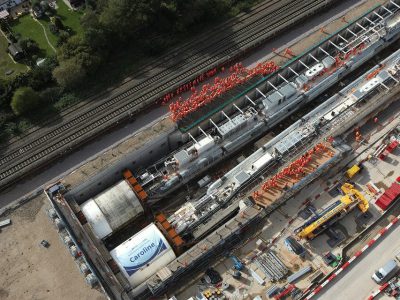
(357, 283)
(45, 34)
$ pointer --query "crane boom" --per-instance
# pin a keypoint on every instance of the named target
(352, 195)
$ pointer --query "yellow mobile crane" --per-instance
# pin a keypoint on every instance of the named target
(332, 213)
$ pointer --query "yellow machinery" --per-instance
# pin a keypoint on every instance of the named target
(332, 213)
(350, 173)
(356, 195)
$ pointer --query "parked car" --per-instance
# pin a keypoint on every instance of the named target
(212, 276)
(386, 272)
(330, 259)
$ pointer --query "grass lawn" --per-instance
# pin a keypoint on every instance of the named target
(69, 17)
(29, 28)
(52, 38)
(6, 63)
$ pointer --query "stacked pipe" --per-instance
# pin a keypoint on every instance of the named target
(272, 266)
(295, 170)
(209, 92)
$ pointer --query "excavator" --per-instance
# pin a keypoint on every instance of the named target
(328, 216)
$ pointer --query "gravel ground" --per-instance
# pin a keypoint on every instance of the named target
(117, 152)
(28, 271)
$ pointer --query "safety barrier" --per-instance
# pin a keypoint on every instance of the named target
(370, 243)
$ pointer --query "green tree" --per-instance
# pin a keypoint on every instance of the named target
(76, 48)
(29, 46)
(56, 20)
(65, 101)
(96, 4)
(95, 35)
(69, 74)
(3, 86)
(63, 37)
(51, 94)
(25, 100)
(4, 94)
(165, 16)
(40, 77)
(124, 17)
(35, 3)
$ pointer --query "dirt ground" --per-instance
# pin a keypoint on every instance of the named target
(28, 271)
(117, 152)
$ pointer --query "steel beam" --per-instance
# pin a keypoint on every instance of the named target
(304, 64)
(191, 136)
(362, 27)
(373, 23)
(379, 16)
(241, 111)
(324, 51)
(343, 38)
(293, 71)
(226, 116)
(312, 56)
(202, 131)
(284, 79)
(388, 10)
(215, 125)
(351, 32)
(385, 86)
(394, 4)
(248, 98)
(336, 46)
(393, 78)
(275, 88)
(261, 93)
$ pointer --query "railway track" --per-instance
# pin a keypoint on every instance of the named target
(88, 123)
(184, 54)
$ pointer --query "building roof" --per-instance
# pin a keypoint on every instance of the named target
(4, 14)
(14, 49)
(10, 3)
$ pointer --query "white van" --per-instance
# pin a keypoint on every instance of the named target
(386, 272)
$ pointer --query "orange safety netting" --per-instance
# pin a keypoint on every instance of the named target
(295, 171)
(209, 92)
(190, 85)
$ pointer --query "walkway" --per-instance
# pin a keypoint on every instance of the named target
(45, 34)
(357, 282)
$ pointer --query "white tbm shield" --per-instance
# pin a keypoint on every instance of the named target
(147, 252)
(143, 253)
